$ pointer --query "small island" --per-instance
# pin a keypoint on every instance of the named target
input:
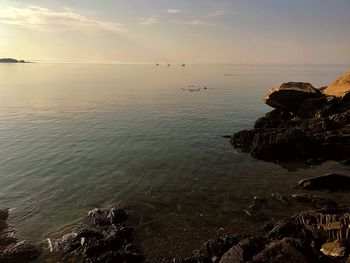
(12, 60)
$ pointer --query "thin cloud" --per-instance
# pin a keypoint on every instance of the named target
(44, 19)
(195, 22)
(148, 21)
(173, 11)
(217, 13)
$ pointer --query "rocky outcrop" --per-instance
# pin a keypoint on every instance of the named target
(12, 250)
(11, 60)
(290, 96)
(105, 240)
(340, 87)
(320, 235)
(305, 127)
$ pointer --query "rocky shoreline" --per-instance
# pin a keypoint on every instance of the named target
(307, 124)
(320, 233)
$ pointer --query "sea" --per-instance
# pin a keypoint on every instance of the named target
(147, 138)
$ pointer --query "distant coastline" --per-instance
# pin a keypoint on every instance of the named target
(12, 60)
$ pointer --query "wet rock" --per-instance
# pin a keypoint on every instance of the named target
(290, 96)
(244, 250)
(280, 197)
(289, 228)
(20, 252)
(336, 248)
(212, 250)
(7, 239)
(4, 214)
(267, 227)
(105, 241)
(287, 250)
(326, 182)
(316, 201)
(100, 216)
(340, 87)
(259, 200)
(277, 144)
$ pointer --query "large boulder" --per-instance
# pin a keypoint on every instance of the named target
(290, 96)
(340, 87)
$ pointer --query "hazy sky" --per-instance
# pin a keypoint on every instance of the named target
(198, 31)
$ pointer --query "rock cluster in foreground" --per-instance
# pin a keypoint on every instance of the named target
(11, 249)
(306, 125)
(106, 239)
(321, 234)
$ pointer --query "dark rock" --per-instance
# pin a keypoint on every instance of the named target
(326, 182)
(287, 250)
(227, 136)
(3, 226)
(20, 252)
(280, 198)
(279, 115)
(212, 250)
(267, 227)
(290, 96)
(316, 201)
(317, 130)
(7, 239)
(100, 216)
(106, 241)
(289, 228)
(244, 250)
(309, 107)
(277, 144)
(260, 200)
(4, 214)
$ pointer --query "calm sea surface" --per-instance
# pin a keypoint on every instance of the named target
(77, 136)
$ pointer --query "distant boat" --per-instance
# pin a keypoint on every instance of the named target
(183, 64)
(157, 64)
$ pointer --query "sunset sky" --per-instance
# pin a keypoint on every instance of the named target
(198, 31)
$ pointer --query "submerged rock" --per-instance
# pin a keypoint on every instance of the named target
(340, 87)
(326, 182)
(290, 96)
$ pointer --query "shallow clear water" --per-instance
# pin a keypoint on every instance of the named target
(77, 136)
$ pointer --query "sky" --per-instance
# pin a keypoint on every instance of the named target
(196, 31)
